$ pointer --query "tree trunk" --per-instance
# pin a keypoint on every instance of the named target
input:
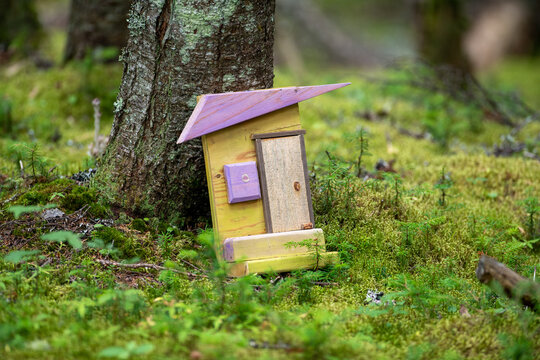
(441, 27)
(179, 49)
(96, 23)
(19, 26)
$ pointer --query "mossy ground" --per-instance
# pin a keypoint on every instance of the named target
(395, 233)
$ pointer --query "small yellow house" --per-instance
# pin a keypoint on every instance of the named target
(258, 179)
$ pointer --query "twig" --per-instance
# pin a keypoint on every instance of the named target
(14, 197)
(412, 134)
(324, 283)
(192, 265)
(147, 266)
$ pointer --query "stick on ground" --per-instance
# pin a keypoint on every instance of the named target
(514, 285)
(147, 266)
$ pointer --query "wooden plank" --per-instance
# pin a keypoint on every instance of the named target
(283, 178)
(233, 145)
(278, 134)
(282, 264)
(218, 111)
(270, 245)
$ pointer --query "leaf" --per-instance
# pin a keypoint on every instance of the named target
(492, 195)
(18, 210)
(64, 236)
(143, 349)
(96, 243)
(114, 352)
(20, 256)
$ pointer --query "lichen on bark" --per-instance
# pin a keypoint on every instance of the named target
(180, 49)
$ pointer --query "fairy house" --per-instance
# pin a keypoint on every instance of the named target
(258, 179)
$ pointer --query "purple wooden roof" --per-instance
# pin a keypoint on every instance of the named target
(218, 111)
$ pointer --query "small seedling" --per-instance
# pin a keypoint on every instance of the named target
(443, 184)
(56, 194)
(361, 143)
(532, 207)
(397, 184)
(312, 245)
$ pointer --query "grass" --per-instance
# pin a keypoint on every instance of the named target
(393, 232)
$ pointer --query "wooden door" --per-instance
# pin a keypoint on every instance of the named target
(281, 160)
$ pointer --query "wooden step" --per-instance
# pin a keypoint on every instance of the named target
(284, 263)
(270, 245)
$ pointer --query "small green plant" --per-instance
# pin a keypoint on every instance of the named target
(165, 240)
(71, 238)
(123, 306)
(517, 347)
(20, 256)
(422, 297)
(304, 282)
(55, 195)
(29, 156)
(532, 207)
(19, 210)
(396, 182)
(443, 185)
(361, 143)
(331, 184)
(442, 127)
(217, 274)
(313, 246)
(125, 352)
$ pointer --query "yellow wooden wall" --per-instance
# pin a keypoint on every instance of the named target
(234, 145)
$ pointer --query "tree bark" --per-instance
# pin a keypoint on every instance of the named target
(96, 23)
(514, 285)
(178, 49)
(20, 29)
(441, 27)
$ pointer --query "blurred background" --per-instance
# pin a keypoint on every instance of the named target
(465, 61)
(473, 35)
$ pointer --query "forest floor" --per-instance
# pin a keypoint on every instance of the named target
(410, 186)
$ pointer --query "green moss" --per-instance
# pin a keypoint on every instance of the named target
(100, 211)
(418, 252)
(129, 246)
(139, 224)
(78, 197)
(40, 194)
